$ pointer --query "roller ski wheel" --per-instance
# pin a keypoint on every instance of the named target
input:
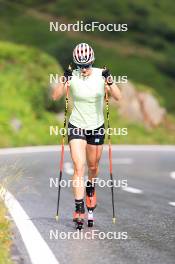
(90, 223)
(90, 218)
(91, 203)
(79, 225)
(78, 219)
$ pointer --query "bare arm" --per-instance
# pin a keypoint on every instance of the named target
(58, 91)
(111, 86)
(114, 91)
(60, 88)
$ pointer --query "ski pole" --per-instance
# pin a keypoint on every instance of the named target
(110, 152)
(62, 148)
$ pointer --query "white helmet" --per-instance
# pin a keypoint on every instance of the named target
(83, 54)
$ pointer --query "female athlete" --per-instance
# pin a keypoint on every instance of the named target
(86, 124)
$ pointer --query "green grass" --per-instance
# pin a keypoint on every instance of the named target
(24, 95)
(149, 24)
(5, 237)
(124, 55)
(25, 67)
(137, 134)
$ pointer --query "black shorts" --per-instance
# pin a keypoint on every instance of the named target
(93, 137)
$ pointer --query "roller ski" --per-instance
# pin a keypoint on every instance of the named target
(79, 214)
(91, 202)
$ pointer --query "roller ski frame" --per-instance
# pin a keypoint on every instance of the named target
(91, 205)
(90, 221)
(78, 219)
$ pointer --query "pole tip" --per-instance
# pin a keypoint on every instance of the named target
(57, 218)
(113, 220)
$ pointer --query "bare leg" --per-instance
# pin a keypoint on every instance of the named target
(78, 154)
(93, 155)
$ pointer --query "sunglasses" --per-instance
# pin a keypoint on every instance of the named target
(84, 66)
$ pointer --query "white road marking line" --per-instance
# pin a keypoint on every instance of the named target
(172, 175)
(36, 149)
(122, 161)
(172, 203)
(26, 150)
(68, 168)
(36, 246)
(150, 148)
(132, 190)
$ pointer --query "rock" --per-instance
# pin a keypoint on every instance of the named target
(16, 124)
(60, 117)
(129, 107)
(140, 107)
(153, 114)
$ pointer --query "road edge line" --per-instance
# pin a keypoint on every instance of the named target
(37, 248)
(57, 148)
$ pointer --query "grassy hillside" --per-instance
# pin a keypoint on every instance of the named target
(24, 95)
(137, 54)
(158, 16)
(150, 25)
(132, 53)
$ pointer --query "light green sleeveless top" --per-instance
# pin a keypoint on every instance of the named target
(88, 99)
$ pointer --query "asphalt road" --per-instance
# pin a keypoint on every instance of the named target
(146, 217)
